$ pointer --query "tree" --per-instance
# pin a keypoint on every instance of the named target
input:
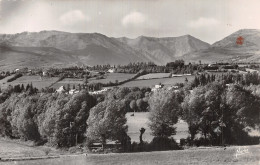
(133, 105)
(142, 105)
(221, 114)
(85, 80)
(22, 87)
(142, 130)
(71, 120)
(68, 87)
(164, 107)
(107, 121)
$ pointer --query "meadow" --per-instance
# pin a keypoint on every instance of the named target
(36, 81)
(140, 119)
(200, 155)
(66, 81)
(112, 77)
(10, 148)
(152, 82)
(154, 76)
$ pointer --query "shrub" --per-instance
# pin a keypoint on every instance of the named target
(163, 143)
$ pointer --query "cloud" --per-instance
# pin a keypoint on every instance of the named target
(203, 22)
(74, 17)
(133, 19)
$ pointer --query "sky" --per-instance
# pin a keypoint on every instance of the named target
(208, 20)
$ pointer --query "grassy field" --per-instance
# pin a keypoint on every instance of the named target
(140, 119)
(154, 75)
(112, 77)
(4, 80)
(16, 149)
(66, 81)
(152, 82)
(37, 81)
(109, 77)
(201, 156)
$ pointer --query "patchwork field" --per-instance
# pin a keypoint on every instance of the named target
(154, 75)
(112, 77)
(140, 119)
(66, 81)
(152, 82)
(37, 81)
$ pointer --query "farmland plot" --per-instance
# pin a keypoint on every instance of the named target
(153, 82)
(154, 76)
(66, 81)
(36, 81)
(112, 77)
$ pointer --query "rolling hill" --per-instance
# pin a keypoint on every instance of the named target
(56, 48)
(241, 46)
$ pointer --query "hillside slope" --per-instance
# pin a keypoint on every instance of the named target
(241, 46)
(164, 50)
(55, 48)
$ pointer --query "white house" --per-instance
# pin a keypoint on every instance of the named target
(44, 73)
(100, 91)
(61, 89)
(111, 70)
(158, 86)
(73, 91)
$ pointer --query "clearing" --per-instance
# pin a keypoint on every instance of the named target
(140, 119)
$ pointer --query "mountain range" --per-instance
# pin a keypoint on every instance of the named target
(59, 49)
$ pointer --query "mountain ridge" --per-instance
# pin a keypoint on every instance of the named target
(89, 49)
(240, 46)
(58, 49)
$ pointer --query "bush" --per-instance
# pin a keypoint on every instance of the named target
(183, 142)
(163, 144)
(157, 144)
(201, 142)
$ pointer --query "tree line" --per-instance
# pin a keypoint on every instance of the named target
(216, 114)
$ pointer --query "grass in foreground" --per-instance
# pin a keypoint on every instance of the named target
(202, 156)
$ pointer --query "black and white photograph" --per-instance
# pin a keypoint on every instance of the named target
(129, 82)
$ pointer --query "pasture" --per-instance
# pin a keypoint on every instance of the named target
(201, 155)
(112, 77)
(109, 77)
(37, 81)
(66, 81)
(153, 82)
(140, 119)
(154, 76)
